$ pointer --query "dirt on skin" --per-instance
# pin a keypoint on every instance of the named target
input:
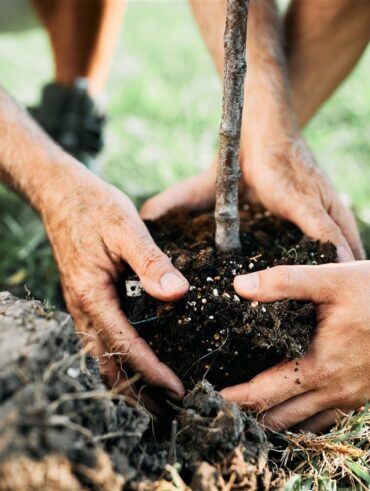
(212, 333)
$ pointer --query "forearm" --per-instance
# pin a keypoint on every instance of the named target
(267, 88)
(30, 162)
(324, 41)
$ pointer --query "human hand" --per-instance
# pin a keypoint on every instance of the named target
(94, 230)
(283, 176)
(334, 374)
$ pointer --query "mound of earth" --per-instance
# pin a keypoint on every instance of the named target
(212, 332)
(61, 429)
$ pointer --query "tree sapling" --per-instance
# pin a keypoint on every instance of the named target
(228, 170)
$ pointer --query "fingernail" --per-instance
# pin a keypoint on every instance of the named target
(344, 255)
(171, 282)
(246, 283)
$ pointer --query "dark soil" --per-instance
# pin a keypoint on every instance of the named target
(53, 403)
(212, 333)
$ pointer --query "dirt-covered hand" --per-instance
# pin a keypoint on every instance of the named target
(94, 230)
(334, 374)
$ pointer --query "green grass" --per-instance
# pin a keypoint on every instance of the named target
(164, 101)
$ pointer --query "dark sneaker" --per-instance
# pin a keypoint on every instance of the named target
(72, 118)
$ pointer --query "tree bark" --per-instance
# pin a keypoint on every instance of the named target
(228, 171)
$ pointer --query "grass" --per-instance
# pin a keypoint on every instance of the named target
(339, 459)
(164, 109)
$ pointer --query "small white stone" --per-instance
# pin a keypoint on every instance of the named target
(251, 265)
(73, 372)
(215, 292)
(192, 288)
(236, 298)
(226, 295)
(209, 279)
(254, 304)
(211, 317)
(204, 300)
(233, 271)
(264, 309)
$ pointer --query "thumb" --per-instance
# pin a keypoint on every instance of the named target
(157, 274)
(315, 283)
(320, 226)
(195, 193)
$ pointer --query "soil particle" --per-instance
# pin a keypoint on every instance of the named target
(212, 332)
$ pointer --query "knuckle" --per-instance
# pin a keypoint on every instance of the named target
(329, 230)
(81, 295)
(273, 422)
(152, 260)
(344, 393)
(282, 277)
(122, 347)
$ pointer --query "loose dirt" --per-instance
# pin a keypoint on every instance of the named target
(212, 333)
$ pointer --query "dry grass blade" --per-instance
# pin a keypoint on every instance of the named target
(338, 458)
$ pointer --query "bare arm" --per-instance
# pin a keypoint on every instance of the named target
(93, 229)
(320, 38)
(324, 41)
(275, 161)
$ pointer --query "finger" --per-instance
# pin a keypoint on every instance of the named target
(320, 423)
(318, 225)
(195, 193)
(294, 411)
(273, 386)
(95, 346)
(124, 342)
(315, 283)
(345, 219)
(157, 274)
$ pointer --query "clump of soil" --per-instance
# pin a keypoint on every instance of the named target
(212, 332)
(61, 429)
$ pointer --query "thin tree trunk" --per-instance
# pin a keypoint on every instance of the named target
(228, 171)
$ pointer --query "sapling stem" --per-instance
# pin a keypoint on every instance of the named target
(228, 170)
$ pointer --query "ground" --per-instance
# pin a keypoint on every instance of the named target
(164, 108)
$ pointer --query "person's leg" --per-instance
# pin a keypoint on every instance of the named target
(83, 36)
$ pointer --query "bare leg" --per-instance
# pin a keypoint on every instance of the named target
(83, 35)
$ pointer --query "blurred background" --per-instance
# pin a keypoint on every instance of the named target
(164, 102)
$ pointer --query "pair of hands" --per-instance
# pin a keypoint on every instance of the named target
(98, 230)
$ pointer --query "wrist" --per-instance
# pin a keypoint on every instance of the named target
(57, 184)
